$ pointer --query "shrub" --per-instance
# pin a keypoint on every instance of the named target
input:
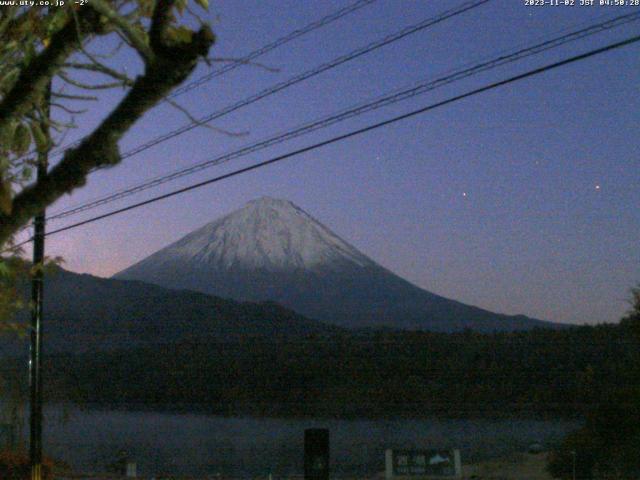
(14, 465)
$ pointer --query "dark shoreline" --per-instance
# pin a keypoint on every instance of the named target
(310, 412)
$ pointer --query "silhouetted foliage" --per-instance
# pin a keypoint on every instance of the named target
(15, 466)
(632, 319)
(540, 372)
(608, 445)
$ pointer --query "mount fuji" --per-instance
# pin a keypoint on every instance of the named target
(272, 250)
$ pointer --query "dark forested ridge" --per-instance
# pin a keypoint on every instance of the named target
(154, 348)
(84, 313)
(540, 372)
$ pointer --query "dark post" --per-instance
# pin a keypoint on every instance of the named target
(316, 454)
(35, 353)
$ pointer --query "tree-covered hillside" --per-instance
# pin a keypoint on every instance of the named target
(541, 372)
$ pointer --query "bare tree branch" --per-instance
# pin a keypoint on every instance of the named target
(171, 65)
(134, 36)
(159, 23)
(34, 78)
(99, 68)
(60, 126)
(68, 110)
(107, 55)
(193, 119)
(70, 96)
(98, 86)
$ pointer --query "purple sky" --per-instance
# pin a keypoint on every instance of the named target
(521, 200)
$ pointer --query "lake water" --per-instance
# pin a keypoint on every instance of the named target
(195, 444)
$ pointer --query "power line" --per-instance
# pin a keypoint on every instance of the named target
(354, 133)
(309, 74)
(387, 99)
(326, 20)
(271, 46)
(304, 76)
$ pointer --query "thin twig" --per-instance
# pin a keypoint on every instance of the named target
(69, 96)
(195, 16)
(203, 124)
(243, 62)
(99, 86)
(99, 68)
(68, 110)
(59, 126)
(126, 27)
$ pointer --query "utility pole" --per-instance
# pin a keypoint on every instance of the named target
(37, 284)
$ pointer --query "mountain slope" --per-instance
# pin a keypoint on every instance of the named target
(273, 250)
(87, 313)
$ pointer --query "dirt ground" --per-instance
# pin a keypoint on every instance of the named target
(521, 466)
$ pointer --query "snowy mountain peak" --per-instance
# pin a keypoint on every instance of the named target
(270, 249)
(267, 233)
(272, 202)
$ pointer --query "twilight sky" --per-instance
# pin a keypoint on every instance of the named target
(524, 199)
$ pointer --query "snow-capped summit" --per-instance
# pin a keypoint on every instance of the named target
(267, 233)
(270, 249)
